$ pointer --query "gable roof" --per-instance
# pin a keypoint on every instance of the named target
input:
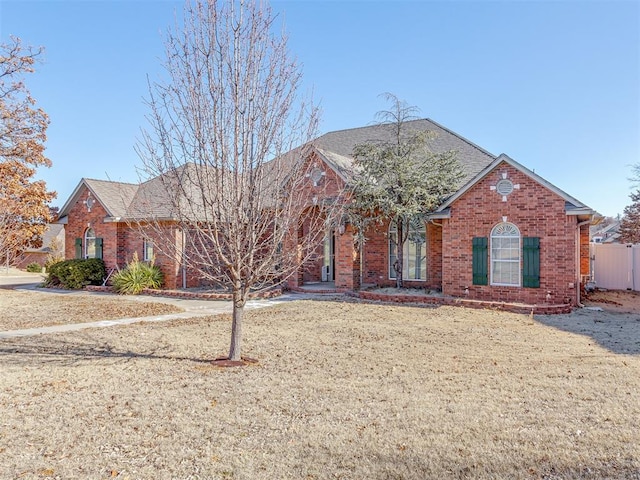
(337, 147)
(572, 205)
(115, 197)
(149, 199)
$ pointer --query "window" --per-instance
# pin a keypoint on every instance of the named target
(92, 246)
(147, 250)
(414, 251)
(505, 255)
(90, 243)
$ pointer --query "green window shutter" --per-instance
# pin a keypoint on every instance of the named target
(531, 262)
(78, 248)
(480, 261)
(99, 248)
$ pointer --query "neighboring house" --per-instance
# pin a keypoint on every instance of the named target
(506, 235)
(52, 245)
(608, 233)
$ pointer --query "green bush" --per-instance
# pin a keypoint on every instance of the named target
(136, 277)
(34, 267)
(75, 274)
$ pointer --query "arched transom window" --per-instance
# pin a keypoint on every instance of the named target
(414, 251)
(505, 254)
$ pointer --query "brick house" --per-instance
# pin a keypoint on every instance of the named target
(506, 234)
(52, 244)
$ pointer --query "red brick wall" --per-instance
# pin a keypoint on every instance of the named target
(376, 255)
(330, 187)
(537, 212)
(31, 257)
(434, 255)
(79, 219)
(120, 241)
(311, 270)
(376, 258)
(347, 272)
(585, 260)
(165, 245)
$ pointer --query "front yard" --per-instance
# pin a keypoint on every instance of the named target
(341, 390)
(29, 309)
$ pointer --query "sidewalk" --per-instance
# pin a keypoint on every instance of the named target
(14, 277)
(192, 308)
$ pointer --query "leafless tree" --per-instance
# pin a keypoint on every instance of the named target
(223, 152)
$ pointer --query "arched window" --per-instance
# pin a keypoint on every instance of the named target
(414, 251)
(89, 243)
(505, 255)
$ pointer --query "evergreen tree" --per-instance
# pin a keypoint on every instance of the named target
(401, 179)
(630, 224)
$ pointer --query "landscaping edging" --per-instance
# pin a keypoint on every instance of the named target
(465, 302)
(550, 309)
(183, 294)
(320, 291)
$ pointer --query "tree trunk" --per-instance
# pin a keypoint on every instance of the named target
(236, 325)
(399, 253)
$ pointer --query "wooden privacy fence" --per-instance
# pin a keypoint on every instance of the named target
(615, 266)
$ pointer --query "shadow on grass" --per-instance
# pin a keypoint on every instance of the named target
(43, 349)
(617, 332)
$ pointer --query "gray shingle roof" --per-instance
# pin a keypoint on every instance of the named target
(151, 200)
(337, 147)
(114, 196)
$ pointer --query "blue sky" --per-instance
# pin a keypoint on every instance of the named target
(553, 84)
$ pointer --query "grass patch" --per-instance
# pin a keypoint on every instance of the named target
(341, 390)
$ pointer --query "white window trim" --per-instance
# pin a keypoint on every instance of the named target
(519, 261)
(86, 242)
(145, 243)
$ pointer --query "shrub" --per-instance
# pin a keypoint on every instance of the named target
(75, 274)
(34, 267)
(137, 276)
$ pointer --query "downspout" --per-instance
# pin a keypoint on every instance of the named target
(580, 224)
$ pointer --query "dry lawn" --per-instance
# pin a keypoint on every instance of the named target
(342, 390)
(28, 309)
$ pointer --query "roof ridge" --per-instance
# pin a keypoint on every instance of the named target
(110, 181)
(448, 130)
(371, 124)
(486, 152)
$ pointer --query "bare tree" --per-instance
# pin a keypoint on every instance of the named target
(221, 153)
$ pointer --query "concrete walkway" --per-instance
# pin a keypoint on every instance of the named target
(14, 277)
(192, 307)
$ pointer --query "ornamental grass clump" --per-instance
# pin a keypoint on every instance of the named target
(34, 267)
(137, 276)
